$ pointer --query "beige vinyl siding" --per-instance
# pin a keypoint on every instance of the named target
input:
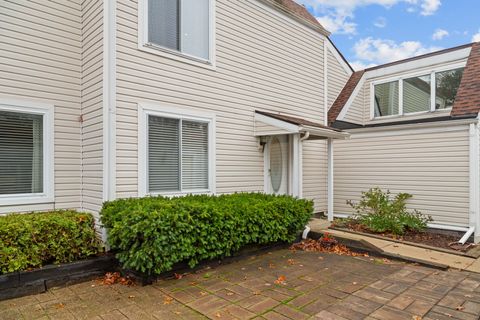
(92, 105)
(40, 57)
(258, 66)
(356, 111)
(337, 78)
(433, 165)
(315, 167)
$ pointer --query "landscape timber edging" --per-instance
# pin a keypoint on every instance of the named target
(410, 243)
(365, 246)
(23, 283)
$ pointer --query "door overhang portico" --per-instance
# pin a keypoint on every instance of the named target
(270, 125)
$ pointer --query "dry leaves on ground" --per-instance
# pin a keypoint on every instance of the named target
(310, 245)
(111, 278)
(281, 280)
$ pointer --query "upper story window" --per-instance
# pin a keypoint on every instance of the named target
(182, 27)
(423, 93)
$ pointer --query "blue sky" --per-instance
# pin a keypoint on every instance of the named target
(371, 32)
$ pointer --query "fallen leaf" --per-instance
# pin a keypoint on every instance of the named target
(230, 293)
(177, 312)
(167, 300)
(460, 308)
(178, 276)
(416, 318)
(256, 293)
(354, 283)
(291, 262)
(281, 280)
(59, 306)
(131, 297)
(218, 315)
(203, 293)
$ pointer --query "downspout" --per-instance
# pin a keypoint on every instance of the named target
(474, 216)
(330, 180)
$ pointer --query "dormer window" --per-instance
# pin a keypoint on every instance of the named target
(422, 93)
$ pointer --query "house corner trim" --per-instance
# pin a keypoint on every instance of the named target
(109, 99)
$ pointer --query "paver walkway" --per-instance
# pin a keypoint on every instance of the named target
(451, 260)
(279, 285)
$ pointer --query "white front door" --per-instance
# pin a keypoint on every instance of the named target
(277, 165)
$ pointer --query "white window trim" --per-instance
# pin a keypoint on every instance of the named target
(47, 111)
(145, 46)
(145, 110)
(400, 79)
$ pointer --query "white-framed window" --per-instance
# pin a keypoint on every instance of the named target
(26, 152)
(178, 29)
(176, 151)
(417, 93)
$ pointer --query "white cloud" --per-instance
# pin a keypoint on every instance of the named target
(359, 65)
(476, 37)
(429, 7)
(338, 24)
(439, 34)
(380, 22)
(337, 16)
(379, 51)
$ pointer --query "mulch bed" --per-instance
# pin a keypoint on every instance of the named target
(428, 237)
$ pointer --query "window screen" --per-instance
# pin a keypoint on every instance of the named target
(447, 84)
(177, 155)
(417, 94)
(386, 99)
(21, 153)
(181, 25)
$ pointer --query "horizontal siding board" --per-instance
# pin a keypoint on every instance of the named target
(433, 167)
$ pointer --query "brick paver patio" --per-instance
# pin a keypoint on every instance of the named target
(316, 286)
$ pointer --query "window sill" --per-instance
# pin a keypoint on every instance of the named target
(23, 199)
(180, 194)
(413, 114)
(177, 56)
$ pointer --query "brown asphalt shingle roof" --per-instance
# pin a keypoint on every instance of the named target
(299, 12)
(344, 96)
(467, 101)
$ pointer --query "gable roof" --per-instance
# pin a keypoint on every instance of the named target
(467, 102)
(298, 12)
(344, 95)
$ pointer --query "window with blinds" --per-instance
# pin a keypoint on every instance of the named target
(177, 155)
(180, 25)
(21, 153)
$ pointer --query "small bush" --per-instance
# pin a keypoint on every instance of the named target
(152, 234)
(378, 212)
(35, 239)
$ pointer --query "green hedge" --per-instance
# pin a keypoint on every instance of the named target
(35, 239)
(151, 234)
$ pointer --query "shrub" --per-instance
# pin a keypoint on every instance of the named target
(152, 234)
(35, 239)
(378, 212)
